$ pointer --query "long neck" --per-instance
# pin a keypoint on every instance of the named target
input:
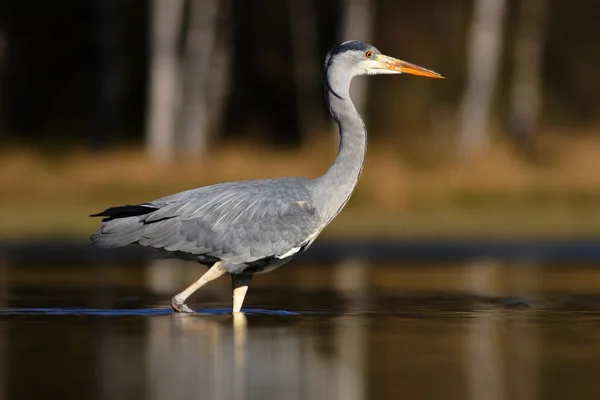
(335, 187)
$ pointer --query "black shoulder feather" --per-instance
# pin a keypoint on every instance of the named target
(124, 211)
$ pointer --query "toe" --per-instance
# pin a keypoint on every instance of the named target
(180, 306)
(186, 309)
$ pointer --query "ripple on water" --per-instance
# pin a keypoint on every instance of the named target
(132, 311)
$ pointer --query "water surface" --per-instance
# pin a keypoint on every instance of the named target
(351, 330)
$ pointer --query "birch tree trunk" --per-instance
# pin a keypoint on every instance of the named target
(357, 24)
(306, 64)
(199, 50)
(166, 21)
(524, 106)
(484, 50)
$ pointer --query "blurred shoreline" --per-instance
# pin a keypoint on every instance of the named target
(496, 195)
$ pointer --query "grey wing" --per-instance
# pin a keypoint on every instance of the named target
(238, 224)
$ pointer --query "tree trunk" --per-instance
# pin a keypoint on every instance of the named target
(218, 84)
(199, 51)
(484, 49)
(166, 21)
(357, 24)
(3, 62)
(306, 65)
(109, 106)
(525, 85)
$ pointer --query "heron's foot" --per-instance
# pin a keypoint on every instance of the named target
(180, 307)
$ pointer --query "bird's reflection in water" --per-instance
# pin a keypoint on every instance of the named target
(240, 326)
(248, 357)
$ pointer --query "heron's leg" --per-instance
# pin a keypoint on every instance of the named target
(178, 302)
(239, 284)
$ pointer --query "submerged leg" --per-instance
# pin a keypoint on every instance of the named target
(178, 302)
(239, 284)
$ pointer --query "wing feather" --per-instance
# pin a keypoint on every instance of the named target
(238, 222)
(245, 223)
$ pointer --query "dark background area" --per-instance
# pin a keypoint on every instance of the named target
(77, 70)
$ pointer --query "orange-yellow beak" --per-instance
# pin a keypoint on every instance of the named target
(404, 67)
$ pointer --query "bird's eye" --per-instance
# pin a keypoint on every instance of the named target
(369, 54)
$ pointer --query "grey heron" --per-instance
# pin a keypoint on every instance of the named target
(252, 227)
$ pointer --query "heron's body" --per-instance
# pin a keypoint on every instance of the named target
(249, 227)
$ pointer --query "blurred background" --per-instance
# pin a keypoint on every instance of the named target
(468, 255)
(120, 101)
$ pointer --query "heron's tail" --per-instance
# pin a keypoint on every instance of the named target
(120, 226)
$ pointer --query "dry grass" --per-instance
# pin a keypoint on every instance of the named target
(497, 194)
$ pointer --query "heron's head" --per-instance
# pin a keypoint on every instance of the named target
(360, 58)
